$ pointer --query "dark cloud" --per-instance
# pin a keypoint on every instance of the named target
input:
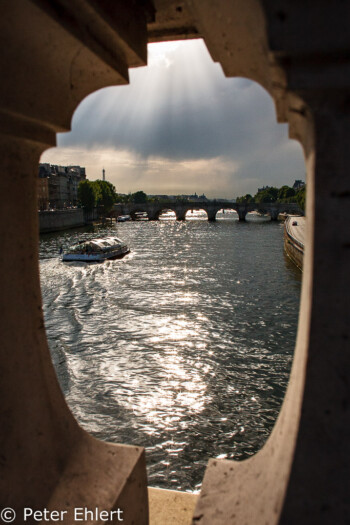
(182, 107)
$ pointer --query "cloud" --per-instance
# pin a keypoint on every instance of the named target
(129, 172)
(182, 114)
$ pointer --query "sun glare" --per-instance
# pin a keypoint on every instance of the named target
(180, 121)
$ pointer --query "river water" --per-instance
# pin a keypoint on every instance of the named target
(183, 347)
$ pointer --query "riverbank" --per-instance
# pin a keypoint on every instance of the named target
(294, 239)
(59, 220)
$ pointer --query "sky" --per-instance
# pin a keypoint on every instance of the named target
(181, 127)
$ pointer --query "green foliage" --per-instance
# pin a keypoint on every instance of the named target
(98, 193)
(301, 197)
(105, 195)
(86, 194)
(285, 192)
(122, 198)
(266, 195)
(245, 200)
(139, 197)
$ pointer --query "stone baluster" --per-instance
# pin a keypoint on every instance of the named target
(317, 490)
(50, 62)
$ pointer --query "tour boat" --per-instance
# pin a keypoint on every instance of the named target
(96, 250)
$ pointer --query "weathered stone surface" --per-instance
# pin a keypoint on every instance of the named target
(173, 20)
(47, 460)
(54, 53)
(170, 507)
(60, 220)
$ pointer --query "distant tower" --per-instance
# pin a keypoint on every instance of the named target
(103, 174)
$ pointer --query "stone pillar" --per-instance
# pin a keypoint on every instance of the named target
(274, 213)
(212, 215)
(66, 467)
(301, 474)
(317, 491)
(153, 216)
(242, 212)
(181, 214)
(47, 460)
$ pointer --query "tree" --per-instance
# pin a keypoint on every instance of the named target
(245, 200)
(285, 192)
(86, 194)
(301, 197)
(266, 195)
(121, 198)
(105, 195)
(139, 197)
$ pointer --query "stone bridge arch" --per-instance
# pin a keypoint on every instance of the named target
(163, 208)
(74, 48)
(184, 209)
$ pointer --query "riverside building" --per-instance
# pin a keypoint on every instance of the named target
(58, 185)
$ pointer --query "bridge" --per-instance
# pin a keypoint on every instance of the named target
(155, 209)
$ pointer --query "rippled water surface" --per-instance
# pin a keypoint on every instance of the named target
(184, 346)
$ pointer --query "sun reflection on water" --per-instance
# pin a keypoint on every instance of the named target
(184, 355)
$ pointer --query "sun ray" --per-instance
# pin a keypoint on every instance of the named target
(180, 124)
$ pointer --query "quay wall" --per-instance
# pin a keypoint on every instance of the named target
(293, 247)
(53, 221)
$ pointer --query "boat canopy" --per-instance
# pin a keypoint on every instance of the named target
(96, 245)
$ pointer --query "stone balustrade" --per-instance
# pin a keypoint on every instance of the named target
(55, 53)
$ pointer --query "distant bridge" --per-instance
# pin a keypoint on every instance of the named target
(155, 209)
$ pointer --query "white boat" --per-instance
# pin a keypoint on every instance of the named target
(96, 250)
(123, 218)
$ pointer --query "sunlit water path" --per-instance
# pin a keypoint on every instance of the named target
(184, 346)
